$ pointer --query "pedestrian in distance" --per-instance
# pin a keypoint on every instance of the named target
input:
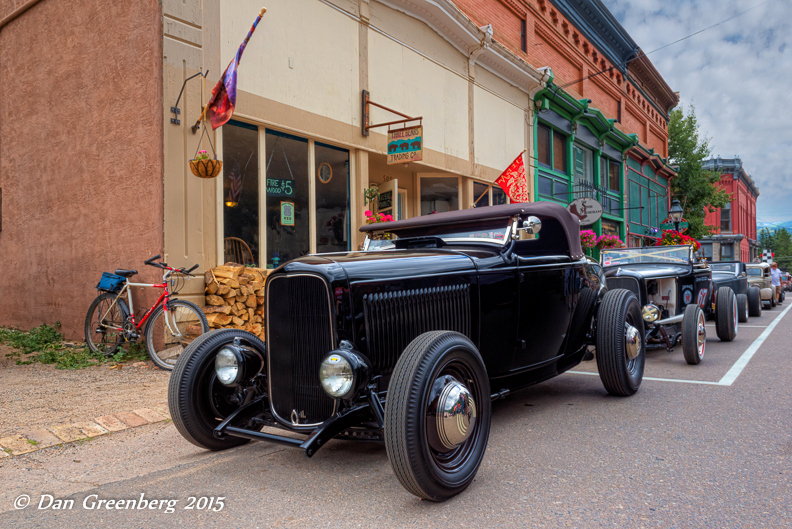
(775, 279)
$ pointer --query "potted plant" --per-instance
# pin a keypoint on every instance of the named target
(673, 238)
(609, 241)
(371, 218)
(204, 167)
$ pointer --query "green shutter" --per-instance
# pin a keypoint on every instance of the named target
(634, 202)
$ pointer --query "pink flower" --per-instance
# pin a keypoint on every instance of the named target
(368, 213)
(388, 218)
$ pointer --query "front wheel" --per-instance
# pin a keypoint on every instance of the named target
(197, 401)
(104, 324)
(694, 334)
(168, 333)
(621, 351)
(437, 415)
(726, 314)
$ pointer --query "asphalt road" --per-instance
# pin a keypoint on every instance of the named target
(698, 446)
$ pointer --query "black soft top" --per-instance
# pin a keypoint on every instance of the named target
(545, 211)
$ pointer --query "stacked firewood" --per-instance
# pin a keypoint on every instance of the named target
(235, 298)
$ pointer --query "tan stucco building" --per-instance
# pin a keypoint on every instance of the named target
(296, 160)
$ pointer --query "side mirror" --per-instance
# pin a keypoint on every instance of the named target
(744, 274)
(532, 225)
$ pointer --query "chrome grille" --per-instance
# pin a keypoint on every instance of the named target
(394, 319)
(299, 335)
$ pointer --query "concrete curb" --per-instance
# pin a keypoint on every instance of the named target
(34, 440)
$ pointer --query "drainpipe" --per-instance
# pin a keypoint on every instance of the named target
(18, 11)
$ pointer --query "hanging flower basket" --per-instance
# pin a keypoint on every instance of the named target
(206, 168)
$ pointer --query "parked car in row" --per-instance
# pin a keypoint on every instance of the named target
(759, 277)
(676, 293)
(733, 274)
(410, 341)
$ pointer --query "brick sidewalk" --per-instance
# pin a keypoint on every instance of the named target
(33, 440)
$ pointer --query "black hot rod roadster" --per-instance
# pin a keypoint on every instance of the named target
(677, 295)
(409, 343)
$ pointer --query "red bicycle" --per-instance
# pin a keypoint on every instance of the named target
(171, 324)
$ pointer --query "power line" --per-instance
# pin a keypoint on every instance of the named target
(642, 54)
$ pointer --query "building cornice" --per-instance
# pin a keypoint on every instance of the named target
(455, 27)
(732, 166)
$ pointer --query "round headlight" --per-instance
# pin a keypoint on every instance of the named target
(650, 313)
(227, 366)
(336, 375)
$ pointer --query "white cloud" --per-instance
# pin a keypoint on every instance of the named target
(738, 75)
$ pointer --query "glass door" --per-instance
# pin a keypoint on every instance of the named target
(288, 205)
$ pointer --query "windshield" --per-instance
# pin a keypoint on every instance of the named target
(755, 272)
(652, 254)
(719, 267)
(449, 234)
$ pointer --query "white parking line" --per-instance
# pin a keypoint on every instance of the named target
(732, 374)
(729, 378)
(741, 326)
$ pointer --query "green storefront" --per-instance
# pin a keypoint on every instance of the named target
(580, 154)
(647, 195)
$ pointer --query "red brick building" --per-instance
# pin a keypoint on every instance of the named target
(735, 236)
(612, 124)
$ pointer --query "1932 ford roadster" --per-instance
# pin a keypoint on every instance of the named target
(677, 296)
(409, 345)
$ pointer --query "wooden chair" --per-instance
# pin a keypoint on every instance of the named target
(237, 251)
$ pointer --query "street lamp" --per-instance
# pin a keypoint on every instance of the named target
(676, 213)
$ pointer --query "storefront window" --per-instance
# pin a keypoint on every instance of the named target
(727, 252)
(439, 194)
(288, 214)
(706, 250)
(241, 193)
(498, 196)
(559, 152)
(332, 198)
(610, 228)
(478, 190)
(543, 147)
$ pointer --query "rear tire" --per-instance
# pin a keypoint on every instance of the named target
(694, 334)
(196, 400)
(620, 374)
(726, 314)
(104, 337)
(754, 302)
(742, 308)
(432, 363)
(162, 345)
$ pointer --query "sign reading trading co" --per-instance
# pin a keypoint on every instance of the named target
(587, 210)
(405, 145)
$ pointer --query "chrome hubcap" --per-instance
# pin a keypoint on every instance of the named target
(734, 311)
(456, 414)
(632, 341)
(701, 334)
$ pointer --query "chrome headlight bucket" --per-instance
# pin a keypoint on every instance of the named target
(650, 313)
(236, 364)
(344, 373)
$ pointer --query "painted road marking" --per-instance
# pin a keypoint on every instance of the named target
(712, 325)
(729, 378)
(732, 374)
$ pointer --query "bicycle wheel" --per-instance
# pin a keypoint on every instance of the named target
(165, 340)
(104, 323)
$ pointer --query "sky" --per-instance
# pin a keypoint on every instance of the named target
(738, 76)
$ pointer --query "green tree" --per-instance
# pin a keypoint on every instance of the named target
(782, 247)
(693, 186)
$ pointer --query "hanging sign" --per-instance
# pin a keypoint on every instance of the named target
(280, 187)
(405, 145)
(668, 224)
(586, 209)
(287, 214)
